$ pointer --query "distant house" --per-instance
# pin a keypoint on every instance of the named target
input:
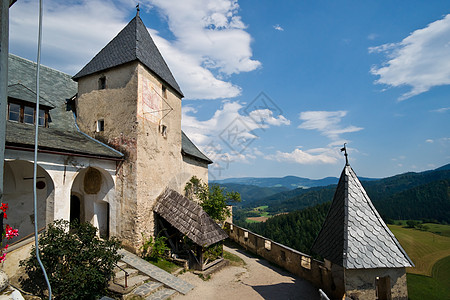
(363, 256)
(110, 140)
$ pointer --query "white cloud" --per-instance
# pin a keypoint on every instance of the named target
(210, 42)
(430, 141)
(278, 27)
(228, 134)
(326, 122)
(212, 35)
(73, 32)
(421, 60)
(312, 156)
(441, 110)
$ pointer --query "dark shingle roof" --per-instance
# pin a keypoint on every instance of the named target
(132, 43)
(55, 88)
(353, 235)
(21, 92)
(53, 139)
(189, 218)
(189, 148)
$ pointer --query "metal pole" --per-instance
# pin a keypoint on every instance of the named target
(36, 132)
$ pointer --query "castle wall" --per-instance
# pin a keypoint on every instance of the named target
(327, 277)
(361, 284)
(117, 106)
(192, 167)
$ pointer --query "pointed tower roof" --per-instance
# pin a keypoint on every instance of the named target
(132, 43)
(353, 235)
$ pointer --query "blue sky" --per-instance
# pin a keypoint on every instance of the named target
(277, 89)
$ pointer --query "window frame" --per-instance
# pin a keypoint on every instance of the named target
(22, 105)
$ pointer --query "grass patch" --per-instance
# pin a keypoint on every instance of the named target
(263, 207)
(234, 259)
(166, 265)
(439, 229)
(424, 248)
(423, 287)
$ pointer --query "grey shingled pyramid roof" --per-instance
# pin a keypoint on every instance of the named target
(189, 218)
(353, 235)
(132, 43)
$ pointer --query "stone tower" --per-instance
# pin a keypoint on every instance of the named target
(129, 99)
(365, 259)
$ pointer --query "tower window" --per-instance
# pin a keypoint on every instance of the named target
(163, 130)
(164, 91)
(100, 125)
(102, 83)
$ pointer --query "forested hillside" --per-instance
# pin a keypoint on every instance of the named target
(296, 229)
(424, 195)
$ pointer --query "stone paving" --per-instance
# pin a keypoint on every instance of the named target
(147, 288)
(161, 294)
(156, 273)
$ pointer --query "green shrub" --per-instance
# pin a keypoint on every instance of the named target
(78, 264)
(153, 250)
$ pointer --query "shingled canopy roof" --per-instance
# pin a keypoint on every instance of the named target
(131, 44)
(189, 218)
(353, 235)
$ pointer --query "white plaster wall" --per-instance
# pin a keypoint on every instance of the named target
(63, 170)
(19, 196)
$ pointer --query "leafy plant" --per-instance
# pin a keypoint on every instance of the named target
(214, 199)
(153, 249)
(214, 251)
(79, 264)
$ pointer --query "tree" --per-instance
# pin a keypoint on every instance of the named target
(78, 263)
(214, 200)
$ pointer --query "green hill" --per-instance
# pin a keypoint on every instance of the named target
(424, 195)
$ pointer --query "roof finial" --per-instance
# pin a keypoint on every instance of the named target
(346, 155)
(137, 10)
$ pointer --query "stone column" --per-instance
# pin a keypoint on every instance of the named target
(4, 39)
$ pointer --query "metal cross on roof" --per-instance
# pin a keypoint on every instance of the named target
(345, 154)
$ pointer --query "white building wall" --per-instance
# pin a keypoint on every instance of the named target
(63, 171)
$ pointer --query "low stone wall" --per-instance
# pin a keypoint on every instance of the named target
(297, 263)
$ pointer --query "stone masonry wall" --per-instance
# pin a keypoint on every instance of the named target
(117, 106)
(304, 266)
(360, 284)
(159, 158)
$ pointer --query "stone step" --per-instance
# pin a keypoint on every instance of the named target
(131, 272)
(161, 294)
(121, 264)
(132, 281)
(118, 285)
(155, 273)
(148, 288)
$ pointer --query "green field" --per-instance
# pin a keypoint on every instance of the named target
(430, 252)
(423, 247)
(435, 287)
(260, 215)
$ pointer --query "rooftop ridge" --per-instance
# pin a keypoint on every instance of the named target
(14, 56)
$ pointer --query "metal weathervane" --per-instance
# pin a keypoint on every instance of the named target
(345, 154)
